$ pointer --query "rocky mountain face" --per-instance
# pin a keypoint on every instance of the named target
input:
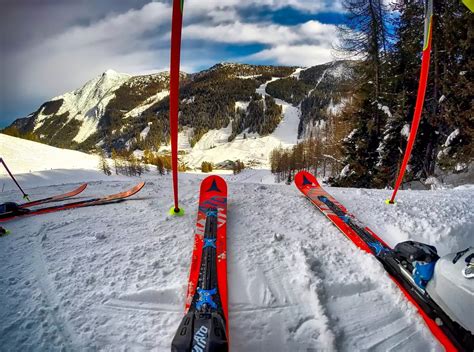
(117, 111)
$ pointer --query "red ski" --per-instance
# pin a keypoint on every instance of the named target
(54, 198)
(452, 336)
(11, 212)
(205, 324)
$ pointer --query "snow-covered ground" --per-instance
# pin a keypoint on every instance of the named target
(113, 278)
(25, 156)
(147, 103)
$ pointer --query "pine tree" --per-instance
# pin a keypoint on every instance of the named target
(448, 104)
(365, 35)
(452, 105)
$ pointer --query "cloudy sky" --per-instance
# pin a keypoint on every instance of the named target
(48, 47)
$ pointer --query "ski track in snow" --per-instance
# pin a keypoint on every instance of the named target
(113, 278)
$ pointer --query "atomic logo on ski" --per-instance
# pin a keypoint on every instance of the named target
(205, 297)
(306, 181)
(213, 187)
(200, 337)
(209, 242)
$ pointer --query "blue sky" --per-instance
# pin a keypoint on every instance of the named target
(52, 46)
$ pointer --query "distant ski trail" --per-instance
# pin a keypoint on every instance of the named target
(49, 295)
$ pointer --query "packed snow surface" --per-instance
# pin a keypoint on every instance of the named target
(147, 103)
(23, 156)
(113, 278)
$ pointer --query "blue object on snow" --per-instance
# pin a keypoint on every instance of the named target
(345, 218)
(377, 246)
(423, 272)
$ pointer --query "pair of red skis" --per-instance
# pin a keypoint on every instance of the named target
(205, 324)
(13, 211)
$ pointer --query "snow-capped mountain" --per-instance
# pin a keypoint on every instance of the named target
(228, 112)
(86, 104)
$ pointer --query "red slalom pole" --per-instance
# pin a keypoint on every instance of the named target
(176, 26)
(25, 196)
(425, 66)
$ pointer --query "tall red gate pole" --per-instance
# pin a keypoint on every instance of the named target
(425, 66)
(176, 26)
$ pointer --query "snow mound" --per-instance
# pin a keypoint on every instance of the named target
(24, 156)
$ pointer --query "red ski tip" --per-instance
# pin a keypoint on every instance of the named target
(305, 179)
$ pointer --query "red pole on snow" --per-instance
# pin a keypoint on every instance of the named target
(425, 65)
(176, 26)
(25, 196)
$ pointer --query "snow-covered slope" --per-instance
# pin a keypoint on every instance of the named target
(113, 278)
(26, 156)
(251, 148)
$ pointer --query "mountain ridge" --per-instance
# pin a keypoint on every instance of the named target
(117, 110)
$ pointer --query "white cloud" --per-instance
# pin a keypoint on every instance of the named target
(241, 33)
(296, 55)
(67, 60)
(307, 44)
(137, 41)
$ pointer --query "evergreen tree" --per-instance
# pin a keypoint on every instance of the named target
(448, 105)
(365, 35)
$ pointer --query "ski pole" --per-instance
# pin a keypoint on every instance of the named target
(25, 196)
(176, 28)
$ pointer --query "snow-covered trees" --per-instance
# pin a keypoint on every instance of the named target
(364, 35)
(382, 108)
